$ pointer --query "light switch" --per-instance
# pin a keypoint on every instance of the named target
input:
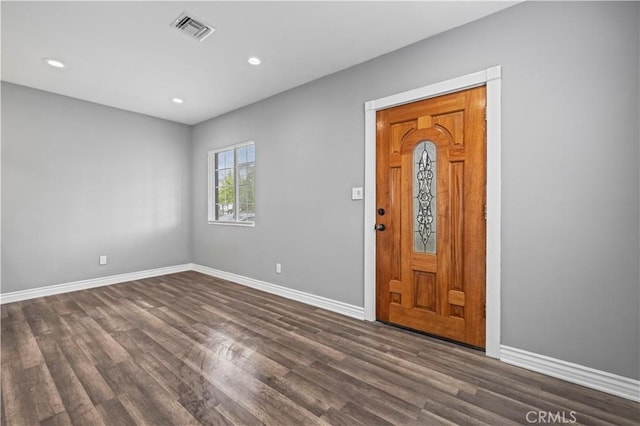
(357, 193)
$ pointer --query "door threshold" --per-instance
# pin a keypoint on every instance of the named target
(433, 336)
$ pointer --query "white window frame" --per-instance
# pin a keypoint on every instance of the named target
(211, 185)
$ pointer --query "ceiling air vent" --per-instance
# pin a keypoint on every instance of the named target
(191, 26)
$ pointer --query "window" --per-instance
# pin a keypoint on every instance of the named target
(232, 185)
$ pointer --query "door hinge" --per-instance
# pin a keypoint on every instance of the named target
(485, 211)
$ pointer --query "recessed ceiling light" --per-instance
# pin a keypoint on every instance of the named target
(177, 100)
(53, 62)
(254, 61)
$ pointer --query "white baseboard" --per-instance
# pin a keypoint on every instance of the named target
(574, 373)
(299, 296)
(310, 299)
(16, 296)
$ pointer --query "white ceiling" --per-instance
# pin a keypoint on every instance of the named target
(126, 55)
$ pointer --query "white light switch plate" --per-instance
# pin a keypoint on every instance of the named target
(103, 260)
(357, 193)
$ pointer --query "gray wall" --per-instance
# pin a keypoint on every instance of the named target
(80, 180)
(570, 229)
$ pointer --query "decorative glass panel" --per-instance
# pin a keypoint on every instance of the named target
(424, 193)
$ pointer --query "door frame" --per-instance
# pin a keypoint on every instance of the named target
(492, 78)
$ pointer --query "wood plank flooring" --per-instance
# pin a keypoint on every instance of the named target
(189, 349)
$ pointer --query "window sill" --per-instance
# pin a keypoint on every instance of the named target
(243, 224)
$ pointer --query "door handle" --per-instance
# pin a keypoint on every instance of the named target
(380, 227)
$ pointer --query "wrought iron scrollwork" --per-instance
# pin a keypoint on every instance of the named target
(425, 174)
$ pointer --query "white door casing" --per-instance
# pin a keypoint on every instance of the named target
(492, 78)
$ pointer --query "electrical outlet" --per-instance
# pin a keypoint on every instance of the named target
(103, 260)
(278, 268)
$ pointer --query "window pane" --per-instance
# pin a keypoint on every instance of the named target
(224, 160)
(242, 155)
(242, 174)
(225, 194)
(220, 160)
(244, 194)
(224, 212)
(424, 193)
(251, 153)
(246, 212)
(245, 174)
(224, 177)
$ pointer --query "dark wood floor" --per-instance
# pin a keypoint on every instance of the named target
(188, 349)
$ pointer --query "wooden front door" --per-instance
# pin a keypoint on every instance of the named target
(430, 244)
